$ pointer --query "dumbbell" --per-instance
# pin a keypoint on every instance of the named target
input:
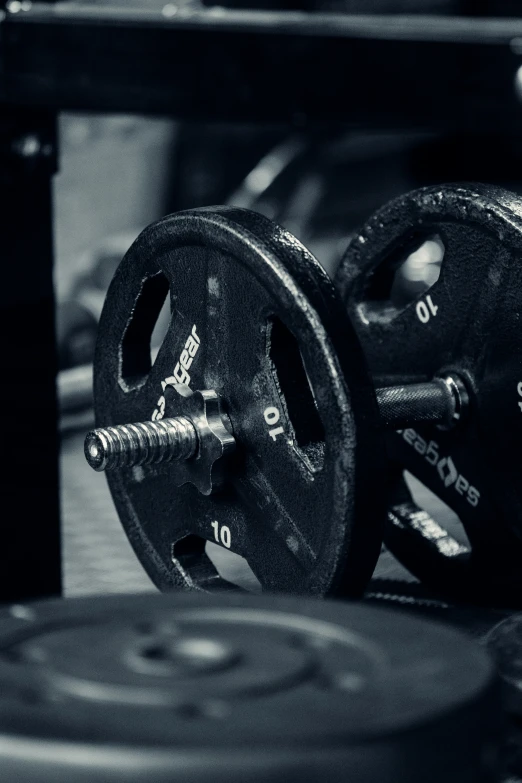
(236, 687)
(278, 453)
(468, 324)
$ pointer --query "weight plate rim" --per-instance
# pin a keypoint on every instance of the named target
(430, 202)
(367, 623)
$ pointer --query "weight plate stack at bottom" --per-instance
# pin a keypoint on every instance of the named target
(244, 688)
(504, 642)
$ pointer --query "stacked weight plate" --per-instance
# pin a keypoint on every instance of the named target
(239, 688)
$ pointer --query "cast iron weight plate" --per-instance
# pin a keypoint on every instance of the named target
(469, 325)
(298, 500)
(236, 687)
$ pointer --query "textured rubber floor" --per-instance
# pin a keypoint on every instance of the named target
(97, 557)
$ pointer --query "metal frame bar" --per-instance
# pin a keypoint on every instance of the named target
(297, 68)
(30, 563)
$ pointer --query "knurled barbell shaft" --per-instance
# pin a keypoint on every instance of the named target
(441, 401)
(142, 443)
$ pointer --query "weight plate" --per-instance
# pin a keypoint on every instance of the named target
(239, 688)
(504, 642)
(249, 306)
(467, 322)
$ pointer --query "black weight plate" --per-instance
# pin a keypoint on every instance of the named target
(470, 325)
(504, 642)
(239, 688)
(300, 505)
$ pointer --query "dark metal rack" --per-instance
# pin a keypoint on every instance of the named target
(379, 71)
(300, 69)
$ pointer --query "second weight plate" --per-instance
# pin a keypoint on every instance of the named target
(433, 284)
